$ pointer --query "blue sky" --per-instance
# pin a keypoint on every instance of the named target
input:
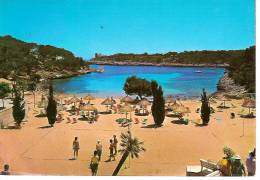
(131, 26)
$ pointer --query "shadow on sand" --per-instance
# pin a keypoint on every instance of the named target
(201, 125)
(179, 122)
(40, 115)
(152, 126)
(45, 127)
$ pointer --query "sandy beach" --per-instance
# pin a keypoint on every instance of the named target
(35, 149)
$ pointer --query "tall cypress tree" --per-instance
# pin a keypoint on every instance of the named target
(158, 109)
(52, 107)
(205, 108)
(18, 108)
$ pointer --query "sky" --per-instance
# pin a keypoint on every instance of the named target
(86, 27)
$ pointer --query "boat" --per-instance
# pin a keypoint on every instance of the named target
(100, 70)
(198, 71)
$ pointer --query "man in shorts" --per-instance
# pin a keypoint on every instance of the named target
(99, 149)
(75, 147)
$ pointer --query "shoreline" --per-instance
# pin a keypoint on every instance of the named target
(224, 87)
(156, 64)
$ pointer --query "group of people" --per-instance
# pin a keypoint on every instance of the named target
(233, 166)
(97, 153)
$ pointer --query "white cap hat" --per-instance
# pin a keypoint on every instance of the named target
(237, 157)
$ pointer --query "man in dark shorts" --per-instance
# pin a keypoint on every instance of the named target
(6, 170)
(99, 149)
(111, 150)
(75, 147)
(115, 144)
(94, 164)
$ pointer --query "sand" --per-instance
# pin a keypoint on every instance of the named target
(169, 149)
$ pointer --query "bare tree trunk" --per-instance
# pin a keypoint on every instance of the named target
(120, 164)
(3, 103)
(33, 99)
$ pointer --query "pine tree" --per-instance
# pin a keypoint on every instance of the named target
(52, 107)
(18, 108)
(205, 108)
(158, 109)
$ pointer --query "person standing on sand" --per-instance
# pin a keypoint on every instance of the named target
(99, 149)
(111, 149)
(238, 168)
(250, 164)
(94, 164)
(6, 170)
(115, 144)
(75, 147)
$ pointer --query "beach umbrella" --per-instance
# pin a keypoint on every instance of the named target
(248, 103)
(88, 97)
(59, 97)
(213, 101)
(88, 107)
(174, 106)
(74, 100)
(108, 102)
(143, 103)
(224, 99)
(127, 99)
(126, 109)
(183, 110)
(170, 100)
(43, 103)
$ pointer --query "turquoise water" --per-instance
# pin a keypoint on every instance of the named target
(182, 81)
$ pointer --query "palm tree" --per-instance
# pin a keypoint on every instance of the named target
(130, 146)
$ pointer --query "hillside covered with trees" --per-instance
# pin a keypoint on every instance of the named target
(25, 59)
(240, 63)
(186, 57)
(242, 71)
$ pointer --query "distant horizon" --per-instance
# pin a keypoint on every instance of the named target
(131, 26)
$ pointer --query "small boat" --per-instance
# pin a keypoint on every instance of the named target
(100, 70)
(198, 71)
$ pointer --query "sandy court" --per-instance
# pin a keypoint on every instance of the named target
(169, 149)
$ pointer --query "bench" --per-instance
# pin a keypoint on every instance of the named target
(206, 168)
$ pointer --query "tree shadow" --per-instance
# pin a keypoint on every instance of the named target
(152, 126)
(40, 115)
(173, 115)
(179, 122)
(72, 159)
(83, 119)
(201, 125)
(45, 127)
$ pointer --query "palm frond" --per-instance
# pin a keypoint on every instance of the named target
(132, 145)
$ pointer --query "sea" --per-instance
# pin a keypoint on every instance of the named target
(175, 81)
